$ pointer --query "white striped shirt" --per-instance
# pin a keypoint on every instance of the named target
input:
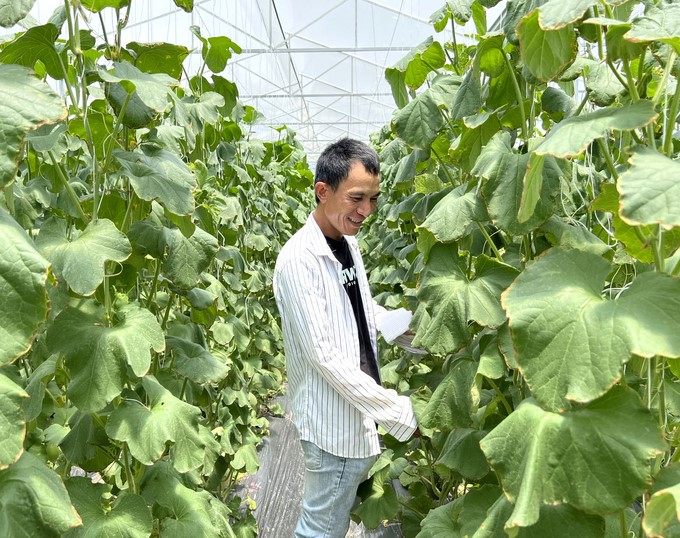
(335, 404)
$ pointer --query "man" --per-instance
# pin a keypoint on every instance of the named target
(329, 332)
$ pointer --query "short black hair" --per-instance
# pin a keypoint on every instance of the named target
(337, 158)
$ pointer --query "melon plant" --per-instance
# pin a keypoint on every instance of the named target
(530, 222)
(140, 221)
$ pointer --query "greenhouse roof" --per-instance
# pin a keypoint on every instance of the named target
(315, 66)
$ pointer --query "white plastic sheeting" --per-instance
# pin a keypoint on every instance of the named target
(314, 65)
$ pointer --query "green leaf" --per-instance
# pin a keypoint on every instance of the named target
(608, 200)
(418, 63)
(97, 5)
(468, 98)
(649, 189)
(507, 172)
(246, 459)
(454, 400)
(157, 174)
(36, 44)
(595, 458)
(559, 521)
(12, 421)
(86, 441)
(26, 103)
(602, 85)
(98, 355)
(572, 136)
(81, 260)
(126, 517)
(658, 24)
(152, 88)
(378, 504)
(443, 521)
(419, 121)
(453, 299)
(531, 190)
(165, 419)
(515, 11)
(455, 215)
(216, 51)
(557, 14)
(555, 101)
(12, 11)
(23, 297)
(186, 5)
(567, 235)
(186, 258)
(34, 501)
(461, 453)
(196, 362)
(663, 508)
(546, 53)
(489, 57)
(571, 341)
(184, 513)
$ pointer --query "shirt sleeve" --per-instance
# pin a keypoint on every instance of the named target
(302, 301)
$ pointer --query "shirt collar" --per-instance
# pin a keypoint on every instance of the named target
(318, 242)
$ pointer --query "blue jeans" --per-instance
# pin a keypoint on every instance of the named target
(331, 484)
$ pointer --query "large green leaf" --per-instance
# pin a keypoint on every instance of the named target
(195, 362)
(546, 53)
(146, 428)
(558, 521)
(98, 355)
(157, 174)
(453, 299)
(660, 23)
(152, 88)
(455, 215)
(23, 297)
(26, 103)
(12, 421)
(572, 136)
(159, 58)
(595, 458)
(649, 189)
(461, 453)
(98, 5)
(186, 258)
(81, 259)
(36, 44)
(663, 508)
(34, 501)
(571, 341)
(509, 176)
(216, 51)
(557, 14)
(602, 85)
(183, 513)
(418, 123)
(608, 200)
(417, 64)
(127, 516)
(12, 11)
(468, 98)
(454, 400)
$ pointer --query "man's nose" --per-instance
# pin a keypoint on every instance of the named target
(365, 208)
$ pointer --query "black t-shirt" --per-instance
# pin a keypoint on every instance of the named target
(340, 249)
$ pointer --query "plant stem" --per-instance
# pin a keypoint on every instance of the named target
(184, 388)
(455, 48)
(502, 397)
(128, 472)
(446, 170)
(154, 285)
(624, 525)
(672, 119)
(608, 158)
(493, 246)
(519, 96)
(662, 85)
(69, 189)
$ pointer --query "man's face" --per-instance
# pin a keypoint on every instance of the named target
(341, 212)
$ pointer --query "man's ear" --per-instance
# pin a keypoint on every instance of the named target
(321, 190)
